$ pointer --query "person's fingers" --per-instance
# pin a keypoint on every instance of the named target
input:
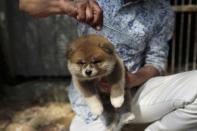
(81, 11)
(97, 14)
(89, 15)
(104, 87)
(127, 78)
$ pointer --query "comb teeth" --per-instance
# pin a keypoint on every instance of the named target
(111, 28)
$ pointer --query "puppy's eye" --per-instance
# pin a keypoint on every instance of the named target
(96, 61)
(81, 62)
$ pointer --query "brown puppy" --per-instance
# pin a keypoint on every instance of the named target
(91, 58)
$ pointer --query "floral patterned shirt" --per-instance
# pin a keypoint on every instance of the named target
(139, 31)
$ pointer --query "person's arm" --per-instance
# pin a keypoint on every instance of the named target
(155, 57)
(133, 79)
(87, 11)
(44, 8)
(141, 76)
(156, 54)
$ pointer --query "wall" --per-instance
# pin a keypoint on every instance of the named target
(36, 47)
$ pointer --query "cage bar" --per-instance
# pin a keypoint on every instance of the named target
(173, 47)
(195, 46)
(183, 55)
(180, 50)
(188, 40)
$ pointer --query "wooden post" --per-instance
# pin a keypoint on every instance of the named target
(185, 8)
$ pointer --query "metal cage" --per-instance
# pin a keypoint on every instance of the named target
(183, 47)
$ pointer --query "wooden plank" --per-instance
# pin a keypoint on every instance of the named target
(185, 8)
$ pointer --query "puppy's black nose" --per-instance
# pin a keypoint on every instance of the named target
(88, 72)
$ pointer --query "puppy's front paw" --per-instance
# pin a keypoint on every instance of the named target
(96, 109)
(95, 105)
(117, 101)
(127, 117)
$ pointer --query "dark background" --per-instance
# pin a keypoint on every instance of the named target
(35, 48)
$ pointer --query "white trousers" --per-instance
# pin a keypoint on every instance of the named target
(169, 102)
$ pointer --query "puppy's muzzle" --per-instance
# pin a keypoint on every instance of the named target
(88, 72)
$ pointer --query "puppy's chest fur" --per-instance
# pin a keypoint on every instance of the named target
(115, 118)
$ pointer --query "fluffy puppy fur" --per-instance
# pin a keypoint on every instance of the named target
(90, 59)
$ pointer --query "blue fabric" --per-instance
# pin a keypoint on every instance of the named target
(143, 30)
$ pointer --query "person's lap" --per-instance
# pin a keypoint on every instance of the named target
(78, 124)
(161, 95)
(168, 100)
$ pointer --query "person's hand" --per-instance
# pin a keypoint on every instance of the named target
(132, 79)
(87, 11)
(129, 78)
(104, 86)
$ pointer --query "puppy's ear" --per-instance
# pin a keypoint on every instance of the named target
(70, 50)
(68, 53)
(107, 47)
(72, 47)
